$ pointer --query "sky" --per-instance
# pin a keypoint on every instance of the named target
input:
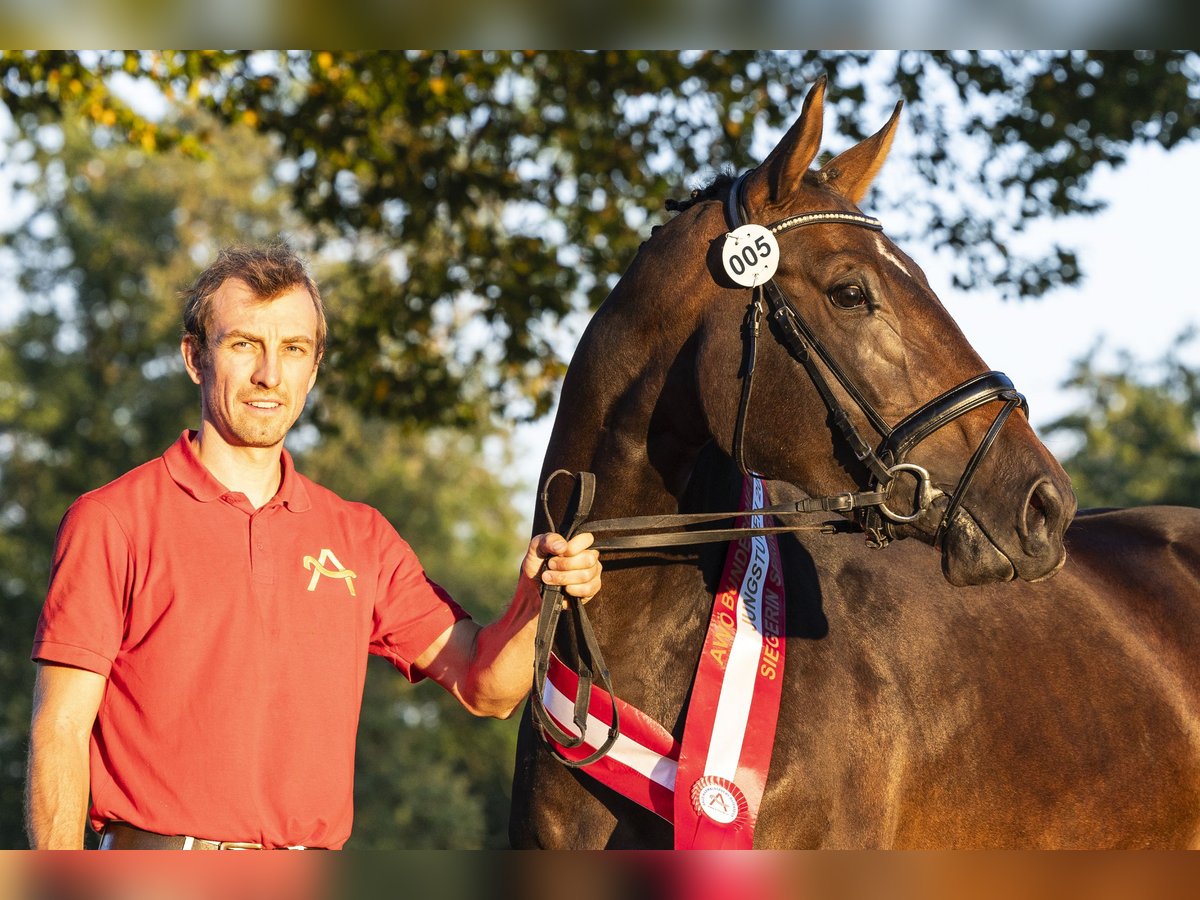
(1138, 293)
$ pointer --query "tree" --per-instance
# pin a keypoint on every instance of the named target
(1137, 432)
(508, 189)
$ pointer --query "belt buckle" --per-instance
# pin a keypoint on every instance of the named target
(238, 845)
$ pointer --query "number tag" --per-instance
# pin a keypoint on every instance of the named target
(751, 255)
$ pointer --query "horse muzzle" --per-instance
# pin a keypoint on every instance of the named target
(977, 551)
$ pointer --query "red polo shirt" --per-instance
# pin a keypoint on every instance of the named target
(235, 644)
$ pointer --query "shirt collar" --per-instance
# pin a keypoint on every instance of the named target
(185, 467)
(292, 493)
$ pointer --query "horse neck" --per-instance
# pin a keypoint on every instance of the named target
(630, 414)
(628, 411)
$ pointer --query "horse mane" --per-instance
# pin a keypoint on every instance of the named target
(719, 185)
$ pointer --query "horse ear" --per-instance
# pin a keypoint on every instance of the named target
(780, 173)
(850, 173)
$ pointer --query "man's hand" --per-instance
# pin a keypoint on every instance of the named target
(571, 565)
(490, 669)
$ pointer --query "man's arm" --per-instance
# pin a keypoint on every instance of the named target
(490, 668)
(65, 703)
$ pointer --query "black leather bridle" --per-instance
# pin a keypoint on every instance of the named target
(886, 460)
(884, 463)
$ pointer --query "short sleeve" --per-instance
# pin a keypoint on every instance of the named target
(411, 611)
(82, 619)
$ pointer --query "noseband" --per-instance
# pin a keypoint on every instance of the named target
(886, 461)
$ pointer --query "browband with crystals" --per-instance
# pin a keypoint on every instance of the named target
(736, 214)
(832, 215)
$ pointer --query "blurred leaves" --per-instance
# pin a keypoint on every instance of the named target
(1137, 430)
(620, 23)
(481, 197)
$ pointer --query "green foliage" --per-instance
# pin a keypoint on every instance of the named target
(1137, 431)
(507, 189)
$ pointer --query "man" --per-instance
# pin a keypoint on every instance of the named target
(203, 645)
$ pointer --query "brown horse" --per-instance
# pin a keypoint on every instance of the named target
(988, 705)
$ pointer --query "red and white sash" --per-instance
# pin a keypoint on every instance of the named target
(711, 786)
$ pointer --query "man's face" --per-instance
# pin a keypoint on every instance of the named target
(261, 364)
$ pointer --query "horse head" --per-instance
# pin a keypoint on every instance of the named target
(882, 349)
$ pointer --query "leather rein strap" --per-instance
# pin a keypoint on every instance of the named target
(585, 648)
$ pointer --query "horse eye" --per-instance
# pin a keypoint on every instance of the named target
(848, 296)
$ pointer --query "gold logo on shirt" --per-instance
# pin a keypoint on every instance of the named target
(318, 569)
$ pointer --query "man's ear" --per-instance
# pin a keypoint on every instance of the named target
(316, 369)
(192, 359)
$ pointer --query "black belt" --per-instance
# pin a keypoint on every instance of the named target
(123, 836)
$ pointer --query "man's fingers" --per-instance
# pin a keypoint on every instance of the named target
(579, 543)
(552, 544)
(584, 583)
(545, 545)
(585, 559)
(571, 565)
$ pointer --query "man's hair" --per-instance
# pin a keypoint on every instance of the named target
(268, 271)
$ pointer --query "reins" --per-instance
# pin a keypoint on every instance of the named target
(676, 530)
(649, 532)
(591, 663)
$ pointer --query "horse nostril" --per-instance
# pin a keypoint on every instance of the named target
(1044, 512)
(1035, 512)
